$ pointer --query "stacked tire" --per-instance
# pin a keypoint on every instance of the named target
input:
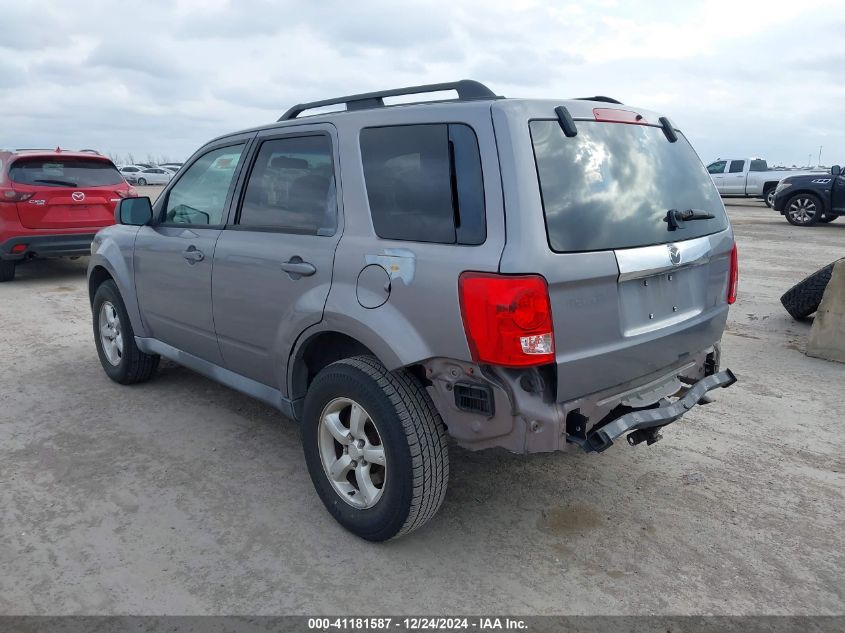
(805, 297)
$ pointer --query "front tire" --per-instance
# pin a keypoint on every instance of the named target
(375, 447)
(7, 270)
(803, 209)
(769, 197)
(121, 359)
(142, 181)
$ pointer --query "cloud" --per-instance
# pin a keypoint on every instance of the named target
(164, 76)
(24, 26)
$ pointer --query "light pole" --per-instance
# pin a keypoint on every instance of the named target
(820, 155)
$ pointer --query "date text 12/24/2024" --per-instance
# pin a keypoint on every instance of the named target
(416, 624)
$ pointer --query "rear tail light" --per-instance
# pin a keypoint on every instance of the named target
(127, 193)
(10, 195)
(733, 276)
(19, 248)
(507, 319)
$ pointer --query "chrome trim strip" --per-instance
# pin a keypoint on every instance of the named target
(636, 263)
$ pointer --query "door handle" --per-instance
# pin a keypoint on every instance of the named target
(193, 255)
(296, 268)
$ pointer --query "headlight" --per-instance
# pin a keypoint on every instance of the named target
(783, 185)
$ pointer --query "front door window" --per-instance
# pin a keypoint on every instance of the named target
(199, 197)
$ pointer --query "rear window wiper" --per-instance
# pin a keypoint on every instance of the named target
(61, 183)
(675, 219)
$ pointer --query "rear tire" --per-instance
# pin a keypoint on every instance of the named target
(121, 359)
(803, 209)
(804, 297)
(402, 426)
(7, 270)
(142, 181)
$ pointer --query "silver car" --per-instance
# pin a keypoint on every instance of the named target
(527, 274)
(154, 176)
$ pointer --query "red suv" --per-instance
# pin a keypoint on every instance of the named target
(52, 202)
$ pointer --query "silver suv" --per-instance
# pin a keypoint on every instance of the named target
(526, 274)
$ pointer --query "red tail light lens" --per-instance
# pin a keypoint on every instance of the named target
(733, 276)
(507, 319)
(127, 193)
(10, 195)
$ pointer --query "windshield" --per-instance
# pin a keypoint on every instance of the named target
(611, 185)
(64, 172)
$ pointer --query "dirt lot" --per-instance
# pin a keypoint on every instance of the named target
(181, 496)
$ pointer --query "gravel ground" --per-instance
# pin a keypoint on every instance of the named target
(180, 496)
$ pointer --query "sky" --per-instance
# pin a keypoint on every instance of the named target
(157, 79)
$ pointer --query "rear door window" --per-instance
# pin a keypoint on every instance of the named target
(424, 183)
(736, 166)
(291, 187)
(64, 172)
(611, 186)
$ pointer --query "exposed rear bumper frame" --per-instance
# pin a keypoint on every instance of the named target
(601, 438)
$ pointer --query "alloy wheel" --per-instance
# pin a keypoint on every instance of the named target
(802, 210)
(352, 453)
(111, 337)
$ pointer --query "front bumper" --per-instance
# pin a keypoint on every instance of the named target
(67, 245)
(643, 425)
(779, 201)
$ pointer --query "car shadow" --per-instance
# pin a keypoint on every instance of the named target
(51, 270)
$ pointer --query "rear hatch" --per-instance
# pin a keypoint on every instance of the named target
(67, 192)
(629, 296)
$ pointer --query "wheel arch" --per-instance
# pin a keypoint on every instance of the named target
(108, 263)
(96, 277)
(326, 343)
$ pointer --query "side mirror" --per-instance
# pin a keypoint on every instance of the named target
(836, 170)
(134, 211)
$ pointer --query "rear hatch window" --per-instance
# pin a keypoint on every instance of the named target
(611, 186)
(64, 172)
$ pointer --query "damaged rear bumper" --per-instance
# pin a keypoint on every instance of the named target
(643, 424)
(518, 410)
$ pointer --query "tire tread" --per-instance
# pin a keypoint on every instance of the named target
(804, 297)
(7, 270)
(140, 366)
(426, 436)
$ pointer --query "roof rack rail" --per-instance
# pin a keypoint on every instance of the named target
(599, 98)
(467, 89)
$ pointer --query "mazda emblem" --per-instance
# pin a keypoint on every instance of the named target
(78, 196)
(674, 254)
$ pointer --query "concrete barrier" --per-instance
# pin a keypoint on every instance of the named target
(827, 336)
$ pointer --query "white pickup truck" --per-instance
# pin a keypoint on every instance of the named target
(748, 178)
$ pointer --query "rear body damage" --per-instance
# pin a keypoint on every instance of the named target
(524, 274)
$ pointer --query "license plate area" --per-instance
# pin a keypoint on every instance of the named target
(661, 300)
